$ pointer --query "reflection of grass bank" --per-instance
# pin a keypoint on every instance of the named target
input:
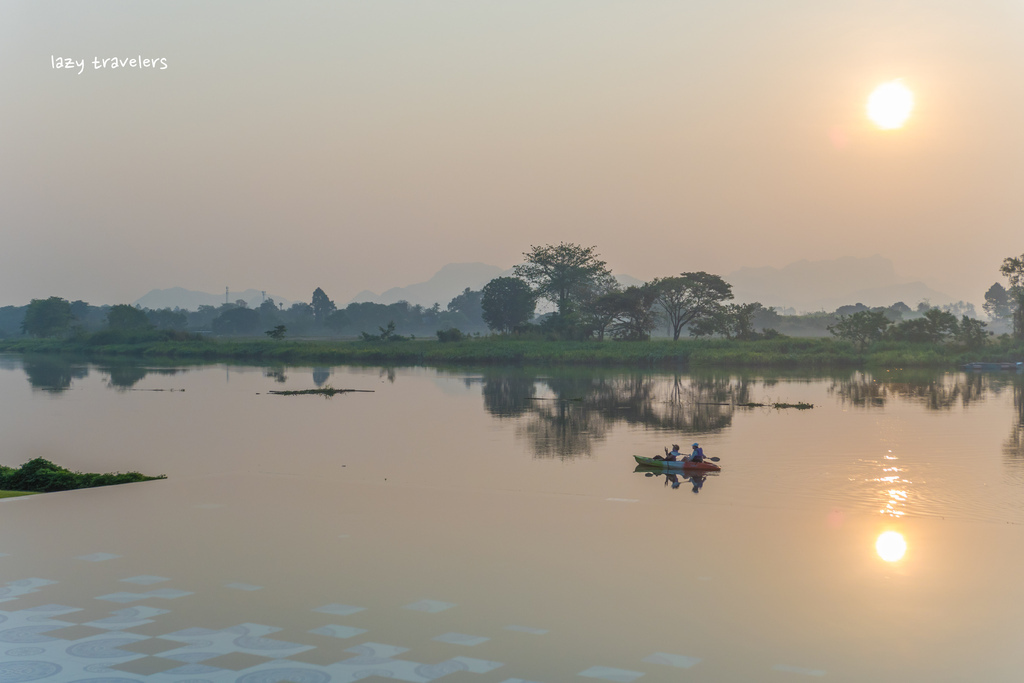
(42, 476)
(693, 353)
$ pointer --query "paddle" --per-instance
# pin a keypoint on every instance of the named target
(712, 458)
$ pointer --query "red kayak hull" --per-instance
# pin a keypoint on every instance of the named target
(705, 466)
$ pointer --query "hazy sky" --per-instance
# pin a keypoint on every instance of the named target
(362, 145)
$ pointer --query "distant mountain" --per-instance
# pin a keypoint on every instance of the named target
(191, 300)
(825, 285)
(448, 283)
(444, 286)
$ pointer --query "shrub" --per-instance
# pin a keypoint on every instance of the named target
(452, 334)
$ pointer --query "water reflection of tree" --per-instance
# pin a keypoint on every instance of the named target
(52, 373)
(124, 376)
(935, 393)
(1013, 448)
(277, 374)
(564, 415)
(321, 375)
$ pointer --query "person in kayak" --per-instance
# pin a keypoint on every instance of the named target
(670, 455)
(698, 453)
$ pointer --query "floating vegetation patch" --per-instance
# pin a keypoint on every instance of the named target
(327, 392)
(797, 406)
(42, 476)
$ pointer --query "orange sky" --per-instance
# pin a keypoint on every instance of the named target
(363, 145)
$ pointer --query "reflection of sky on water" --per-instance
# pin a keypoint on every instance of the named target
(297, 538)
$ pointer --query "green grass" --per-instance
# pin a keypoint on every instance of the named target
(784, 352)
(16, 494)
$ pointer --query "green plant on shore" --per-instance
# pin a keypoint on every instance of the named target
(780, 352)
(42, 476)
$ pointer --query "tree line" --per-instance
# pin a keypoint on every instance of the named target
(587, 301)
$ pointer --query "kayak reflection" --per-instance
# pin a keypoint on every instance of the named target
(676, 479)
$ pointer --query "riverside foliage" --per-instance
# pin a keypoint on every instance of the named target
(42, 476)
(778, 352)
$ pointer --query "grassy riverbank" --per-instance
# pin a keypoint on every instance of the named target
(694, 353)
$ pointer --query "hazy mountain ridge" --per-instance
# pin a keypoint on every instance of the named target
(803, 285)
(191, 300)
(444, 286)
(825, 285)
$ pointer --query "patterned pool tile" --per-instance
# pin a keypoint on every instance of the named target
(431, 606)
(460, 639)
(607, 673)
(680, 661)
(247, 638)
(168, 593)
(124, 596)
(23, 635)
(12, 590)
(339, 609)
(98, 557)
(52, 610)
(129, 617)
(477, 666)
(527, 629)
(146, 579)
(243, 586)
(798, 670)
(337, 631)
(377, 650)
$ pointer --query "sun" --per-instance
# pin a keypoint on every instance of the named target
(890, 104)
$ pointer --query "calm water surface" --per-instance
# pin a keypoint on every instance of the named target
(489, 526)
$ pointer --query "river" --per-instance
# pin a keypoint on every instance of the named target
(488, 525)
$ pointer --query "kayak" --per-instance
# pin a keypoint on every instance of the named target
(706, 466)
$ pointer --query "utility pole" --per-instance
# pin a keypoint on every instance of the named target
(225, 295)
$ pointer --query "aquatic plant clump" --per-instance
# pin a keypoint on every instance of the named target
(326, 392)
(42, 476)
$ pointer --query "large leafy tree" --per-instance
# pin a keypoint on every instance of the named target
(690, 297)
(564, 274)
(732, 321)
(861, 328)
(127, 317)
(971, 333)
(469, 304)
(507, 303)
(322, 306)
(237, 321)
(635, 318)
(1013, 269)
(997, 302)
(934, 327)
(47, 317)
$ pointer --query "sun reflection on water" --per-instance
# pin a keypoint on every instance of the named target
(891, 546)
(895, 497)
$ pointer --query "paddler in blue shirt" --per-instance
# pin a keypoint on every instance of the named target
(698, 453)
